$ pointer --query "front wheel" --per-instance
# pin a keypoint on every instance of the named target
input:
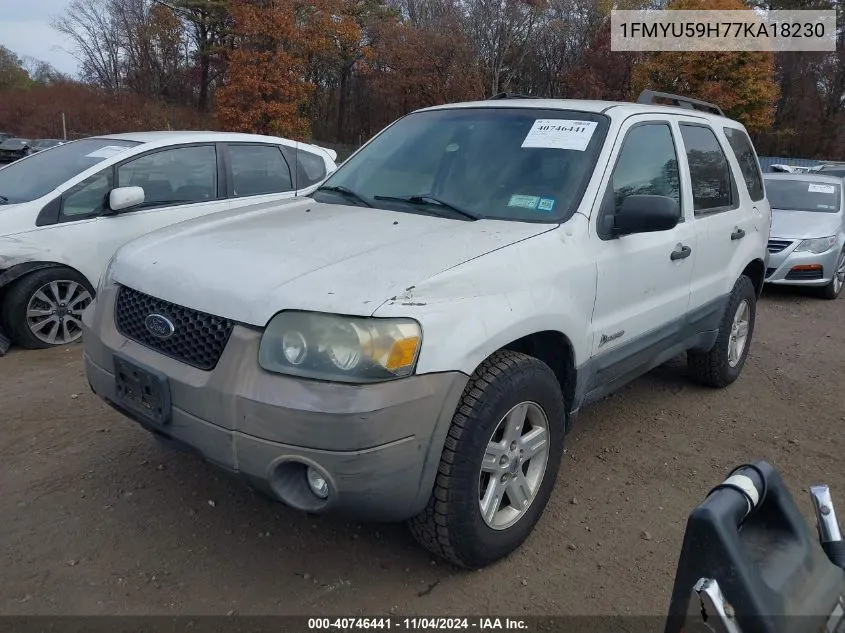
(44, 308)
(499, 463)
(722, 365)
(834, 288)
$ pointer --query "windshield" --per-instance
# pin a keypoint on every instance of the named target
(522, 164)
(45, 143)
(803, 195)
(833, 171)
(42, 172)
(13, 143)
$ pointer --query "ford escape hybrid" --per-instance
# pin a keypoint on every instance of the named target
(413, 340)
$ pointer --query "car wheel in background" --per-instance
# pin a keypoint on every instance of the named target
(44, 308)
(834, 288)
(498, 465)
(723, 363)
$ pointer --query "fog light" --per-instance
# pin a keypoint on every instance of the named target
(319, 486)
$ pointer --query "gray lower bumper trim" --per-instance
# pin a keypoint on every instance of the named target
(389, 481)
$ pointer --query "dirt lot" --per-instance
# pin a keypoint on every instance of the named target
(97, 518)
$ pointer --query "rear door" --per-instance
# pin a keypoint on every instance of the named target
(725, 227)
(258, 172)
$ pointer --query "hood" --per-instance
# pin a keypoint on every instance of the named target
(798, 225)
(248, 264)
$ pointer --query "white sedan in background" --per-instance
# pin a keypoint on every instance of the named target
(64, 211)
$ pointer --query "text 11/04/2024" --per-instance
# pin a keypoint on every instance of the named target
(416, 623)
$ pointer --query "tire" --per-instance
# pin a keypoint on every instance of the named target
(715, 367)
(452, 525)
(834, 288)
(24, 296)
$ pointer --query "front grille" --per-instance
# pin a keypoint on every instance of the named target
(776, 246)
(198, 338)
(770, 272)
(805, 275)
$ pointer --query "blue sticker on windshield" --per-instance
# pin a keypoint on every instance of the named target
(546, 204)
(526, 202)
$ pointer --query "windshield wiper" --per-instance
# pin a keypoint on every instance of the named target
(4, 200)
(429, 200)
(347, 193)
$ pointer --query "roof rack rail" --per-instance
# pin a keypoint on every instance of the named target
(509, 95)
(649, 97)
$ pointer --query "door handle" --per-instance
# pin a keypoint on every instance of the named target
(738, 233)
(680, 252)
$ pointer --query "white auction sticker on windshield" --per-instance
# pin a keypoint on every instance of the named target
(560, 134)
(814, 188)
(107, 152)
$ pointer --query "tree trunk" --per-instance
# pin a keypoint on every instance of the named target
(205, 73)
(341, 104)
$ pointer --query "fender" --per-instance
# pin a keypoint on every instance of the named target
(19, 270)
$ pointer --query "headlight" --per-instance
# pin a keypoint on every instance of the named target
(817, 245)
(106, 274)
(340, 348)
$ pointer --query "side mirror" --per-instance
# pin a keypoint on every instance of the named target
(125, 197)
(646, 214)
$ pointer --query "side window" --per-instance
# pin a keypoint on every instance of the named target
(258, 169)
(710, 174)
(89, 196)
(313, 168)
(647, 165)
(748, 163)
(173, 176)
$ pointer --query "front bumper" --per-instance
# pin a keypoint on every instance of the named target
(378, 446)
(781, 267)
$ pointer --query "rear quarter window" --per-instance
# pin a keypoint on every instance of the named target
(747, 158)
(710, 173)
(312, 168)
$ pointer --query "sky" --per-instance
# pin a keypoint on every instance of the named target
(25, 29)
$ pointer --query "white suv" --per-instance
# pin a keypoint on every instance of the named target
(413, 340)
(65, 210)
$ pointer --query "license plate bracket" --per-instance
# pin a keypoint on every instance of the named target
(142, 390)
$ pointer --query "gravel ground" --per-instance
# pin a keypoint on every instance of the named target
(97, 518)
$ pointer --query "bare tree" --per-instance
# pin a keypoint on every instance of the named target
(92, 28)
(136, 45)
(41, 72)
(209, 24)
(502, 31)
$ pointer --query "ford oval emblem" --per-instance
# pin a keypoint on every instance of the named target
(159, 326)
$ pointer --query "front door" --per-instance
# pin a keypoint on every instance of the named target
(179, 183)
(643, 285)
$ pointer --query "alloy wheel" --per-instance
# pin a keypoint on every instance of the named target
(54, 311)
(514, 465)
(739, 333)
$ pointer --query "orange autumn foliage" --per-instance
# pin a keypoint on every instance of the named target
(741, 83)
(267, 83)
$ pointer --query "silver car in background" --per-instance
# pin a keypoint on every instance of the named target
(807, 243)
